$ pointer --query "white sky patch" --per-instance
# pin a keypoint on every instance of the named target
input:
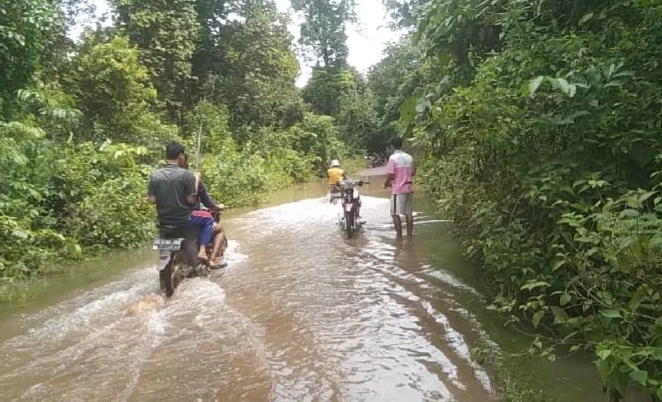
(367, 39)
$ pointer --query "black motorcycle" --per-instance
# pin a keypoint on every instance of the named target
(349, 221)
(172, 263)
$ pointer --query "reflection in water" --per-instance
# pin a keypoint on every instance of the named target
(301, 314)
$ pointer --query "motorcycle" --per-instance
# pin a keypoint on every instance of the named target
(350, 221)
(172, 265)
(375, 160)
(335, 193)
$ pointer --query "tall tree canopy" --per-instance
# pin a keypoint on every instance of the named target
(259, 67)
(323, 32)
(166, 33)
(29, 32)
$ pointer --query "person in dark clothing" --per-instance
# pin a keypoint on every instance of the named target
(174, 190)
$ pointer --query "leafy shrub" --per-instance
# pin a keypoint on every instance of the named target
(541, 142)
(114, 215)
(237, 179)
(112, 89)
(111, 212)
(57, 197)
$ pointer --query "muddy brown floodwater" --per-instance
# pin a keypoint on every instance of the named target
(300, 314)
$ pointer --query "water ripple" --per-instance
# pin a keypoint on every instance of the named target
(300, 314)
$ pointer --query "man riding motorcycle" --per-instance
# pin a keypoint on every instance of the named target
(174, 190)
(335, 175)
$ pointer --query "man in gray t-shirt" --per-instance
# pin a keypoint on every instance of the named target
(173, 187)
(174, 191)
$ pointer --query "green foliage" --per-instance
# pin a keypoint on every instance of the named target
(112, 90)
(103, 196)
(391, 81)
(269, 160)
(57, 198)
(318, 137)
(326, 87)
(259, 66)
(344, 95)
(357, 119)
(237, 178)
(323, 30)
(539, 127)
(214, 120)
(19, 199)
(405, 13)
(28, 30)
(165, 33)
(83, 125)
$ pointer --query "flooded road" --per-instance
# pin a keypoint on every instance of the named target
(300, 314)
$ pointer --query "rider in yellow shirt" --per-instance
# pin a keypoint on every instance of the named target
(335, 174)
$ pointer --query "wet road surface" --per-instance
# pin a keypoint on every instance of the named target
(300, 314)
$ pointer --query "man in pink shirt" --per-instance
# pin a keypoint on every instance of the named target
(401, 171)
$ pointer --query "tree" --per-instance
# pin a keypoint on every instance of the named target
(323, 31)
(392, 80)
(406, 13)
(28, 32)
(81, 127)
(166, 33)
(111, 88)
(325, 89)
(208, 57)
(245, 61)
(260, 66)
(345, 96)
(357, 120)
(538, 131)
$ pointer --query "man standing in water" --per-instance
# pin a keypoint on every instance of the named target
(401, 171)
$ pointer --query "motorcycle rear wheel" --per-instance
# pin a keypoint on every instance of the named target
(349, 224)
(171, 275)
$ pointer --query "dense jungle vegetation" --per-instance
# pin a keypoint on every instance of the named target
(539, 125)
(83, 122)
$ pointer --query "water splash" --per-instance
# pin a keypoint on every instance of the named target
(301, 313)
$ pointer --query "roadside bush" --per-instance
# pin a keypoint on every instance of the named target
(237, 179)
(110, 211)
(317, 136)
(269, 158)
(57, 199)
(542, 141)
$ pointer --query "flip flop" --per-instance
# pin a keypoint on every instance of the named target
(218, 264)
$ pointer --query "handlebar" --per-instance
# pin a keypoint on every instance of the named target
(358, 182)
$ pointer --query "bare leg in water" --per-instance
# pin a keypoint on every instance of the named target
(398, 225)
(410, 226)
(217, 251)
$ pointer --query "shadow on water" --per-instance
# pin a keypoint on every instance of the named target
(300, 314)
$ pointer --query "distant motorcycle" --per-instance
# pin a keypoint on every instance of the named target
(350, 221)
(172, 265)
(375, 160)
